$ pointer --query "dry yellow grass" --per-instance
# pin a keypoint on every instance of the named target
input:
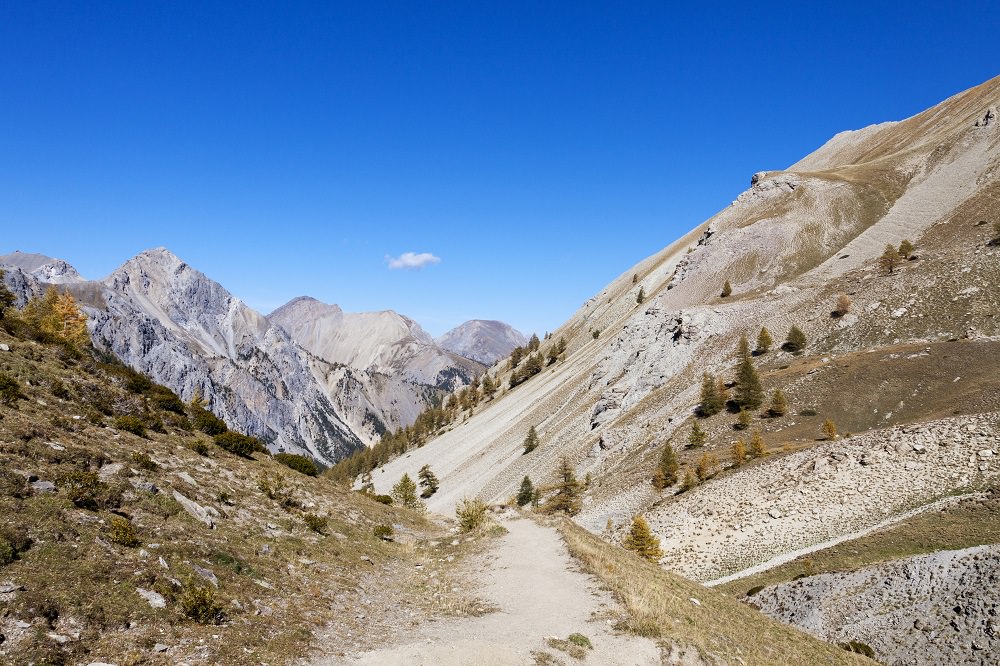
(694, 619)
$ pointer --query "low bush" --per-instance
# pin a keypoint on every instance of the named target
(86, 491)
(241, 445)
(300, 464)
(207, 422)
(472, 514)
(198, 446)
(10, 390)
(13, 542)
(198, 603)
(383, 499)
(143, 461)
(383, 532)
(316, 522)
(122, 532)
(131, 424)
(857, 647)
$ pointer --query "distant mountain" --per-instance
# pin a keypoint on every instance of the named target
(382, 359)
(42, 268)
(482, 340)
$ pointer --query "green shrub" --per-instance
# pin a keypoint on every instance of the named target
(7, 554)
(808, 411)
(198, 446)
(13, 542)
(207, 422)
(316, 523)
(857, 647)
(199, 604)
(241, 445)
(472, 514)
(122, 532)
(86, 491)
(298, 463)
(59, 389)
(131, 424)
(754, 590)
(274, 487)
(580, 640)
(383, 532)
(143, 461)
(165, 399)
(10, 390)
(383, 499)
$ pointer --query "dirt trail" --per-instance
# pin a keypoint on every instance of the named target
(531, 578)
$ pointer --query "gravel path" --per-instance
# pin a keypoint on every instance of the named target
(534, 582)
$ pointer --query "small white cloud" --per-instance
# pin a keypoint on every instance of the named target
(412, 260)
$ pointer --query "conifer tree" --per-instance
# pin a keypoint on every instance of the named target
(711, 402)
(489, 386)
(727, 289)
(743, 419)
(749, 393)
(830, 429)
(889, 259)
(739, 452)
(567, 497)
(779, 404)
(757, 447)
(697, 437)
(530, 440)
(796, 340)
(404, 493)
(367, 486)
(428, 481)
(905, 249)
(743, 348)
(641, 296)
(689, 481)
(764, 341)
(533, 343)
(527, 492)
(666, 470)
(642, 541)
(516, 355)
(706, 466)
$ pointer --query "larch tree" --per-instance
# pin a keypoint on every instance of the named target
(889, 259)
(697, 437)
(530, 440)
(843, 305)
(641, 541)
(779, 404)
(727, 289)
(711, 402)
(757, 447)
(404, 493)
(6, 295)
(764, 341)
(906, 249)
(739, 452)
(666, 469)
(527, 492)
(830, 429)
(641, 296)
(749, 393)
(796, 340)
(743, 419)
(567, 497)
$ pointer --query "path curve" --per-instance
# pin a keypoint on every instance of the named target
(540, 593)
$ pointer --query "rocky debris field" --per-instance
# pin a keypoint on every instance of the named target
(743, 519)
(930, 609)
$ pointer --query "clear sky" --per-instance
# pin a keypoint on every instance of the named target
(534, 150)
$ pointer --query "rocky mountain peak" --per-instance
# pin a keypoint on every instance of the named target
(482, 340)
(42, 268)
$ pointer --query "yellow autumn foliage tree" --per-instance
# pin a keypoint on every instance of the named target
(57, 315)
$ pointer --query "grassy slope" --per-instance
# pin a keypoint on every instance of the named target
(718, 628)
(284, 590)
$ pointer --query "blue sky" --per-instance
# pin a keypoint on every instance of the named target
(536, 149)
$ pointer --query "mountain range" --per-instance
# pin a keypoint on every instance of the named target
(308, 378)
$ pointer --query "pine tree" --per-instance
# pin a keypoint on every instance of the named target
(723, 391)
(530, 440)
(642, 541)
(764, 341)
(749, 392)
(697, 438)
(666, 470)
(533, 343)
(516, 355)
(905, 249)
(635, 278)
(404, 493)
(711, 402)
(489, 386)
(796, 340)
(567, 497)
(727, 289)
(743, 348)
(889, 259)
(779, 405)
(757, 447)
(830, 429)
(367, 486)
(527, 492)
(739, 452)
(428, 481)
(641, 296)
(743, 419)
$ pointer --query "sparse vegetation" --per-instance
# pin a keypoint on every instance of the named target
(667, 468)
(727, 289)
(241, 445)
(843, 305)
(131, 424)
(889, 260)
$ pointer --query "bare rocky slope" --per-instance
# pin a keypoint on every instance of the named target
(909, 370)
(486, 341)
